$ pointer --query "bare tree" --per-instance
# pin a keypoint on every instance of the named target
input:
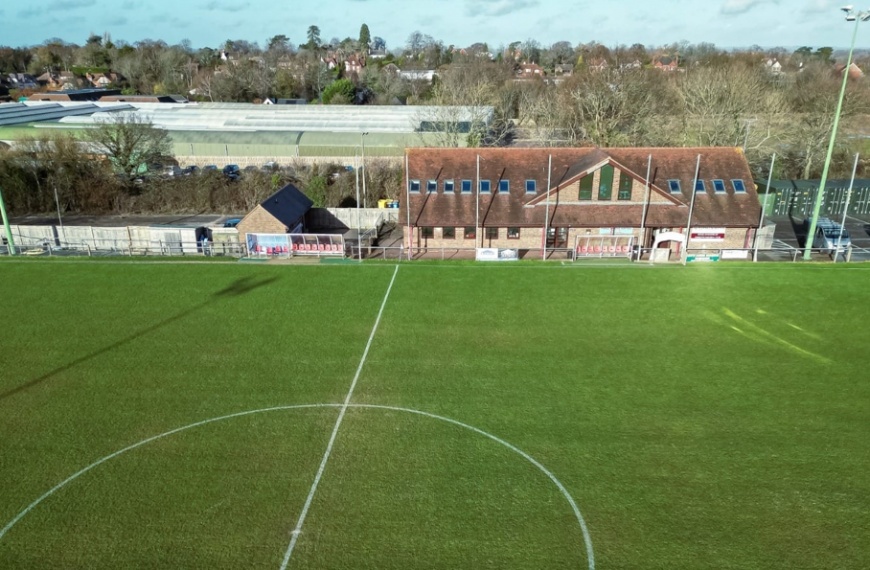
(129, 141)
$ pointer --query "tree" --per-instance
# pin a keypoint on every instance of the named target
(339, 92)
(313, 37)
(365, 37)
(278, 44)
(415, 42)
(129, 142)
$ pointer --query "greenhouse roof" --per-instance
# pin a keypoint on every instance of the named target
(30, 112)
(310, 118)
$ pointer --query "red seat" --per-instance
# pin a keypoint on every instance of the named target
(597, 249)
(295, 246)
(584, 249)
(612, 249)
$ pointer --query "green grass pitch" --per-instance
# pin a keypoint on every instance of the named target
(714, 416)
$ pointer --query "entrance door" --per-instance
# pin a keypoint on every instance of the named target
(557, 238)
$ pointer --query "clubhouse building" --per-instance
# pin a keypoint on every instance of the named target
(583, 199)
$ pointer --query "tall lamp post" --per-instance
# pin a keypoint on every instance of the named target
(362, 142)
(10, 243)
(851, 16)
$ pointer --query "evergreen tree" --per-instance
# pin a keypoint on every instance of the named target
(365, 37)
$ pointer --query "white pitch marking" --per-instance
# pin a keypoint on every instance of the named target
(587, 539)
(98, 462)
(586, 536)
(298, 529)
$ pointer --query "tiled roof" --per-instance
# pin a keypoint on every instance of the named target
(287, 205)
(516, 208)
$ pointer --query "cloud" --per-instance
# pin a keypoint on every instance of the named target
(743, 6)
(819, 6)
(118, 21)
(496, 8)
(30, 12)
(70, 4)
(215, 6)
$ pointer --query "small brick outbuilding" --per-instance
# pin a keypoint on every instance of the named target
(282, 212)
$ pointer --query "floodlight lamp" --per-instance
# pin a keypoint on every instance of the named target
(865, 16)
(851, 18)
(847, 9)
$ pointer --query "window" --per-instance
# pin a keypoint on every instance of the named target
(605, 183)
(448, 186)
(586, 187)
(719, 186)
(466, 186)
(738, 186)
(484, 186)
(531, 186)
(427, 233)
(625, 182)
(491, 233)
(504, 186)
(414, 186)
(699, 186)
(674, 186)
(470, 232)
(513, 233)
(432, 186)
(448, 233)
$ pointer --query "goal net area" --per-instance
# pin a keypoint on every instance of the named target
(603, 246)
(295, 244)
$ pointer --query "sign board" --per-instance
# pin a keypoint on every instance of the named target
(496, 254)
(708, 234)
(702, 257)
(734, 254)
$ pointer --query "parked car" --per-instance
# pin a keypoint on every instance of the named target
(232, 171)
(830, 236)
(172, 171)
(209, 168)
(271, 166)
(192, 169)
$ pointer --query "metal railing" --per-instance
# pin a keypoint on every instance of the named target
(114, 247)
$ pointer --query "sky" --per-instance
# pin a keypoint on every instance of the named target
(209, 23)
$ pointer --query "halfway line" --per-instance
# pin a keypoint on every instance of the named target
(298, 528)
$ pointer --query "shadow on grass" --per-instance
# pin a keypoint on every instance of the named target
(237, 288)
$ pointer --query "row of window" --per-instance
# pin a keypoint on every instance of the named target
(605, 185)
(700, 186)
(469, 232)
(504, 186)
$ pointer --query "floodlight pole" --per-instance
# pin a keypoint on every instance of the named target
(846, 209)
(691, 209)
(547, 212)
(363, 145)
(362, 141)
(408, 203)
(817, 206)
(477, 237)
(356, 171)
(644, 209)
(763, 208)
(10, 243)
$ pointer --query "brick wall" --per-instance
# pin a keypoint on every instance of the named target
(529, 238)
(259, 221)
